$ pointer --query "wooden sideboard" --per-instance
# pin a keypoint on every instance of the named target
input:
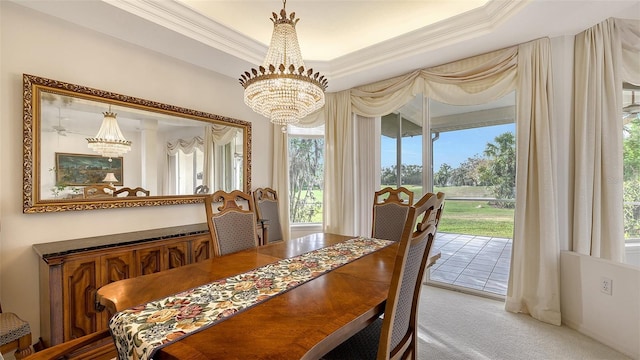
(72, 271)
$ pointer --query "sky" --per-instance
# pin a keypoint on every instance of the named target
(453, 147)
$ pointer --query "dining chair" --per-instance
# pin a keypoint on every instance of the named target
(96, 346)
(98, 191)
(15, 334)
(266, 200)
(131, 192)
(394, 335)
(390, 212)
(201, 189)
(233, 223)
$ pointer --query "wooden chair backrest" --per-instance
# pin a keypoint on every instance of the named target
(390, 213)
(266, 201)
(201, 189)
(131, 192)
(232, 227)
(398, 338)
(97, 191)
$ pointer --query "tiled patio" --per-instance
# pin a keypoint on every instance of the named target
(475, 262)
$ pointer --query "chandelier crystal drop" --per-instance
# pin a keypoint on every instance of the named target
(109, 142)
(282, 89)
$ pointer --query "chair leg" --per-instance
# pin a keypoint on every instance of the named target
(38, 346)
(24, 347)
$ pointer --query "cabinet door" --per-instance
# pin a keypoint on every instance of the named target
(113, 267)
(176, 255)
(148, 260)
(80, 282)
(116, 266)
(201, 248)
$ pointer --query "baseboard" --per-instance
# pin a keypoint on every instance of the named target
(465, 290)
(612, 343)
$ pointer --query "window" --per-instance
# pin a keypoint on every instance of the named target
(401, 148)
(306, 174)
(631, 173)
(187, 170)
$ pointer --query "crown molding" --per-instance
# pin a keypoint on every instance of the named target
(463, 27)
(173, 28)
(180, 18)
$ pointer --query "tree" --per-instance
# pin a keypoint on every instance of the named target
(631, 148)
(500, 169)
(468, 173)
(410, 175)
(631, 196)
(631, 175)
(388, 176)
(306, 172)
(441, 177)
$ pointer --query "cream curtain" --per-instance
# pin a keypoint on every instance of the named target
(187, 146)
(534, 277)
(367, 160)
(215, 135)
(280, 178)
(475, 80)
(525, 68)
(339, 180)
(629, 32)
(605, 56)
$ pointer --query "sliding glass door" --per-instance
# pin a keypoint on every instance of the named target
(467, 152)
(474, 164)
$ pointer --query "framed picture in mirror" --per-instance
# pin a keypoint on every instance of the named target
(83, 170)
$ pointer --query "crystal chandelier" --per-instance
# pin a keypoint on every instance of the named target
(281, 89)
(109, 142)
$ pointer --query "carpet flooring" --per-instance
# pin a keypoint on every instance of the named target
(458, 326)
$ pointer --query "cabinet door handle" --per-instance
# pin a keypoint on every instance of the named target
(99, 307)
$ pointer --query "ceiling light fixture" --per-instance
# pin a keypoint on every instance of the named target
(281, 89)
(109, 142)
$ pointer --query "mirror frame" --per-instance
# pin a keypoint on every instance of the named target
(33, 85)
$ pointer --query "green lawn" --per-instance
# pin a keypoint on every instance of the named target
(466, 217)
(476, 218)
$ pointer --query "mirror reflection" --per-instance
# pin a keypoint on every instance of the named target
(91, 146)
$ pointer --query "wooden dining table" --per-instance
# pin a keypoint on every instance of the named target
(302, 323)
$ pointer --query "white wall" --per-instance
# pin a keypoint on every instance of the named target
(611, 319)
(41, 45)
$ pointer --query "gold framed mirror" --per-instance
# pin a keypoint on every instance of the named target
(167, 155)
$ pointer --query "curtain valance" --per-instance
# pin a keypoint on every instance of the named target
(629, 31)
(471, 81)
(187, 146)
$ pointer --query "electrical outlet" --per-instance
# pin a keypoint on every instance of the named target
(606, 285)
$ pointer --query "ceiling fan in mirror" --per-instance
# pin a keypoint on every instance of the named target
(59, 128)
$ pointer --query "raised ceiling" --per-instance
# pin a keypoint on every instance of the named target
(351, 42)
(331, 29)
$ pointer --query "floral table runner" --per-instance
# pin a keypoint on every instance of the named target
(141, 330)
